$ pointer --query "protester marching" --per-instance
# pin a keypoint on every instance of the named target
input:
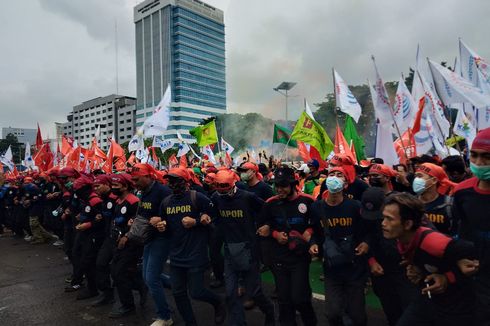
(412, 222)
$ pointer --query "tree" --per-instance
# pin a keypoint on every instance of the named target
(16, 147)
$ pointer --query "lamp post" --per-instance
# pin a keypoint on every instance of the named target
(285, 86)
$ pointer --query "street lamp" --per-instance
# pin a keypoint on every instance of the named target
(285, 86)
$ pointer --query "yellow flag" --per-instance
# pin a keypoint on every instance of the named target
(311, 132)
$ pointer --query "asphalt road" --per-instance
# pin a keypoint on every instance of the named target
(31, 293)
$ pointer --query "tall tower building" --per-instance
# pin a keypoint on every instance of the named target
(181, 43)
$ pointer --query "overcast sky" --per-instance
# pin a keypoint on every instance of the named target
(55, 54)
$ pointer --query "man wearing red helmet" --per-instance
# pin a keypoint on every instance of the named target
(249, 174)
(237, 212)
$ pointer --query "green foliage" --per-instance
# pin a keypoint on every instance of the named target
(16, 147)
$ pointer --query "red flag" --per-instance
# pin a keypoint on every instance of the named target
(314, 153)
(228, 160)
(66, 145)
(341, 145)
(39, 138)
(408, 142)
(183, 161)
(303, 151)
(172, 161)
(418, 116)
(353, 151)
(131, 160)
(44, 158)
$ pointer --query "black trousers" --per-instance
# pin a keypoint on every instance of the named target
(125, 272)
(482, 290)
(294, 291)
(395, 292)
(345, 296)
(85, 252)
(215, 256)
(424, 312)
(103, 264)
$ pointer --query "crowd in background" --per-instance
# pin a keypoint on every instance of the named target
(418, 233)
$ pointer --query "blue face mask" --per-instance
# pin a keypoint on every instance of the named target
(481, 172)
(419, 185)
(334, 184)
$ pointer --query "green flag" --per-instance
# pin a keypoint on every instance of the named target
(350, 134)
(282, 135)
(206, 134)
(311, 132)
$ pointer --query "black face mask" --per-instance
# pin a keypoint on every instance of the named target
(376, 182)
(83, 192)
(117, 191)
(177, 185)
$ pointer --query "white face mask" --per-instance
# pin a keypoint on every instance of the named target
(246, 176)
(334, 184)
(419, 185)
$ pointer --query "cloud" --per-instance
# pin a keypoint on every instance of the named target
(59, 53)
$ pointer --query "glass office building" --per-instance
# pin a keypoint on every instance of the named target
(181, 43)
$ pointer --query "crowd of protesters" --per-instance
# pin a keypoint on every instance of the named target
(419, 234)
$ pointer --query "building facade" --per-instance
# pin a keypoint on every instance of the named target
(181, 43)
(24, 135)
(114, 114)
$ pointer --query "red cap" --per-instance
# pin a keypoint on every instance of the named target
(143, 169)
(69, 172)
(102, 179)
(209, 178)
(249, 166)
(341, 160)
(122, 178)
(225, 180)
(178, 173)
(382, 169)
(482, 140)
(338, 169)
(445, 185)
(82, 182)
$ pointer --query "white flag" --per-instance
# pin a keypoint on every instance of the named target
(437, 140)
(157, 123)
(381, 102)
(206, 150)
(404, 107)
(183, 149)
(455, 89)
(344, 98)
(28, 161)
(163, 144)
(7, 159)
(142, 154)
(435, 105)
(467, 64)
(136, 143)
(308, 111)
(226, 147)
(464, 128)
(384, 145)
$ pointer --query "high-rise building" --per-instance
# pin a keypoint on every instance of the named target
(181, 43)
(114, 114)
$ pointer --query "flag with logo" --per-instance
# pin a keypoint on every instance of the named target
(311, 132)
(28, 161)
(381, 101)
(341, 145)
(163, 144)
(464, 128)
(404, 107)
(344, 98)
(136, 143)
(206, 134)
(282, 135)
(455, 89)
(226, 147)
